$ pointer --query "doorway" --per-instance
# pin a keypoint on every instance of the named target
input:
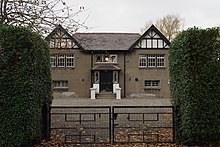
(106, 78)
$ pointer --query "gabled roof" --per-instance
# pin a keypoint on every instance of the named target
(152, 28)
(106, 41)
(59, 27)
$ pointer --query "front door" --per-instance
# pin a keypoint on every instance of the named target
(106, 84)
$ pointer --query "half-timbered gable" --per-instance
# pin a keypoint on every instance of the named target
(59, 38)
(152, 39)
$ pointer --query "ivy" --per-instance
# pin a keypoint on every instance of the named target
(195, 85)
(25, 80)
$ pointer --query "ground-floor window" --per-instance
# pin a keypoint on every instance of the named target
(152, 84)
(115, 76)
(60, 84)
(96, 76)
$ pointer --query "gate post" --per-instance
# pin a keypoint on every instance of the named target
(45, 121)
(176, 122)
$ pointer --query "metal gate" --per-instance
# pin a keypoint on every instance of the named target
(80, 125)
(117, 124)
(143, 124)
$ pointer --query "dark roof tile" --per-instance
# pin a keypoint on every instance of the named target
(106, 41)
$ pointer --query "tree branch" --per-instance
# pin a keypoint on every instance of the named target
(39, 16)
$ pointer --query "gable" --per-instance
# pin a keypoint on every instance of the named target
(59, 38)
(152, 39)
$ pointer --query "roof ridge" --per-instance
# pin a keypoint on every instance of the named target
(106, 33)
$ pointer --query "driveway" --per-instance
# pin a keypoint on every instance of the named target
(111, 102)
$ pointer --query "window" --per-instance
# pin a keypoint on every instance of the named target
(152, 60)
(149, 43)
(61, 61)
(53, 61)
(113, 58)
(98, 58)
(142, 61)
(143, 43)
(106, 58)
(160, 43)
(96, 77)
(69, 60)
(60, 84)
(160, 61)
(115, 76)
(155, 45)
(52, 42)
(152, 84)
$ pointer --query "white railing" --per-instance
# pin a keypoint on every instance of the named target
(117, 90)
(95, 89)
(93, 92)
(118, 93)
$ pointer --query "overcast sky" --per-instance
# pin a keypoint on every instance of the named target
(131, 15)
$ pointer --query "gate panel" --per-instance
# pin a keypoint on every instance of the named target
(143, 124)
(80, 125)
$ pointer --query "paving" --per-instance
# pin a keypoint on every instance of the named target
(112, 102)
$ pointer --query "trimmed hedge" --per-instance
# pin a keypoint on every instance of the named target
(25, 80)
(195, 85)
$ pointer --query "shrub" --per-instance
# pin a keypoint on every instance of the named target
(195, 85)
(25, 84)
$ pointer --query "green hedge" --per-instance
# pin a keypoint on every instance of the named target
(25, 84)
(195, 85)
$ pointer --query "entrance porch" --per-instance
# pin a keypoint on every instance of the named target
(105, 81)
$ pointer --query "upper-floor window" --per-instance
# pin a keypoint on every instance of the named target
(60, 43)
(70, 61)
(53, 60)
(160, 61)
(62, 60)
(152, 60)
(106, 58)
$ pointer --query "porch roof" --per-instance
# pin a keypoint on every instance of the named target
(106, 67)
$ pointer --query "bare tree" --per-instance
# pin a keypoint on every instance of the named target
(146, 26)
(169, 25)
(40, 15)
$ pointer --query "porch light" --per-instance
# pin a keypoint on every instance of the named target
(106, 59)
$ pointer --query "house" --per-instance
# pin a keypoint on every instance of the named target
(116, 65)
